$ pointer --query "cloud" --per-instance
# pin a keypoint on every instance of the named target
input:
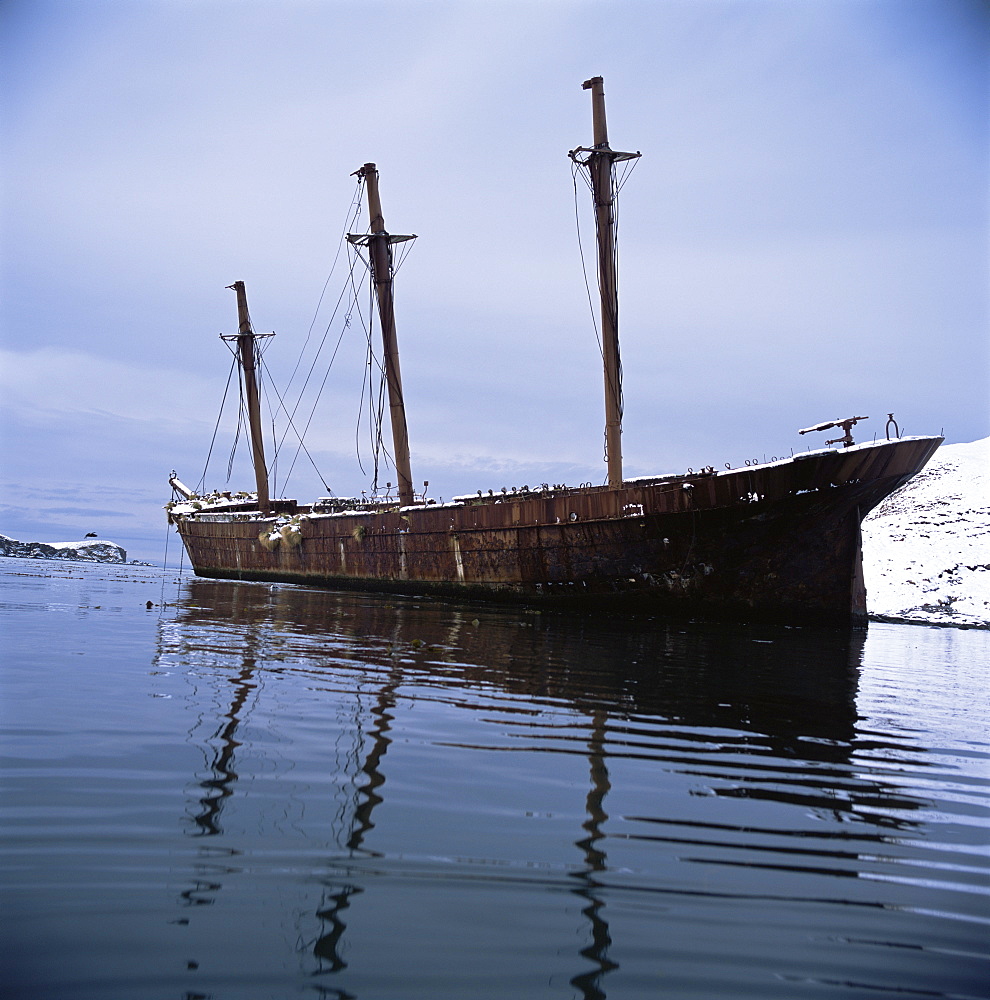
(13, 512)
(50, 385)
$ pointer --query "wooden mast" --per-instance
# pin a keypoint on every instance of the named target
(379, 244)
(600, 160)
(245, 347)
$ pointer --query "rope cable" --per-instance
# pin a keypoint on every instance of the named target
(312, 367)
(272, 469)
(353, 214)
(350, 299)
(302, 445)
(241, 417)
(346, 325)
(201, 485)
(319, 350)
(584, 263)
(608, 300)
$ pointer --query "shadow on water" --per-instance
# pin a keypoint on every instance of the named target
(769, 693)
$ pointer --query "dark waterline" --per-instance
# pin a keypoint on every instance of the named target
(268, 791)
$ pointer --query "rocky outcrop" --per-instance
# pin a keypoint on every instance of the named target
(87, 550)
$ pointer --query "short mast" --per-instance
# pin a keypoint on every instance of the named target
(600, 160)
(379, 244)
(246, 341)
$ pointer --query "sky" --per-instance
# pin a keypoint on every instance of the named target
(804, 238)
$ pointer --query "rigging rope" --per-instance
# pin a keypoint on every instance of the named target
(272, 470)
(607, 301)
(376, 403)
(241, 419)
(350, 224)
(575, 170)
(613, 302)
(375, 399)
(201, 485)
(302, 446)
(348, 304)
(326, 375)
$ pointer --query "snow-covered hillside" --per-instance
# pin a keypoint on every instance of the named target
(926, 549)
(87, 550)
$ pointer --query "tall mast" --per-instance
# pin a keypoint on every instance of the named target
(246, 341)
(600, 161)
(379, 244)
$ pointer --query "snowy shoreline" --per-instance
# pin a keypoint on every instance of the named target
(86, 550)
(926, 548)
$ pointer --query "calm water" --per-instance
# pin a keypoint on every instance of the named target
(268, 792)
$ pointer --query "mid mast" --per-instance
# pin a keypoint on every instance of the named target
(600, 160)
(379, 244)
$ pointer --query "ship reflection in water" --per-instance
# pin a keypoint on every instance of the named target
(405, 797)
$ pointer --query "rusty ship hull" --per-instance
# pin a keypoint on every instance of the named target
(780, 540)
